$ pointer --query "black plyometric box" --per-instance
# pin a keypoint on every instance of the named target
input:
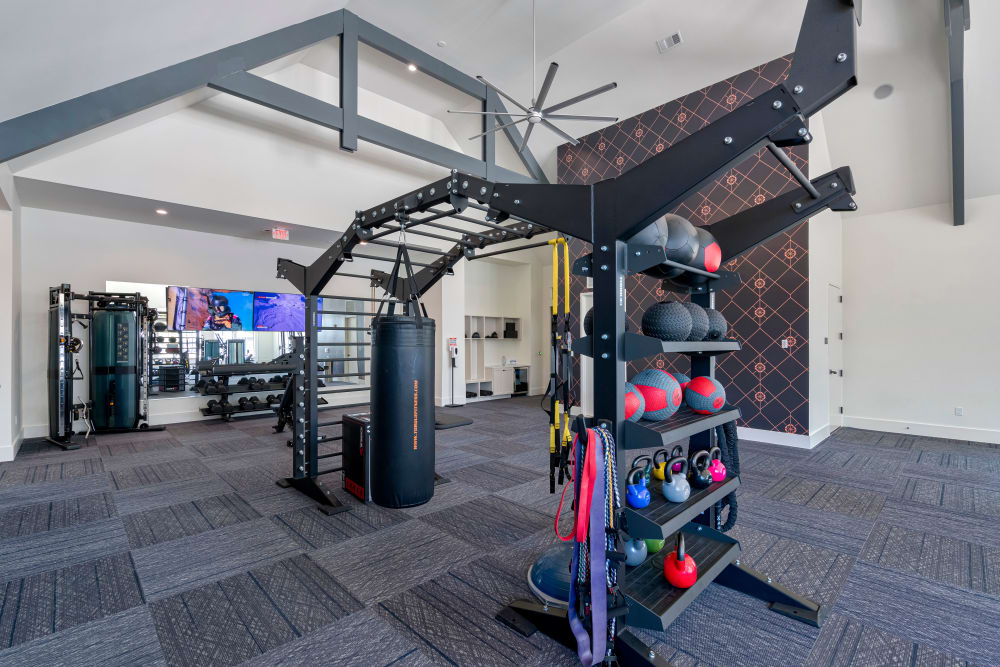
(357, 431)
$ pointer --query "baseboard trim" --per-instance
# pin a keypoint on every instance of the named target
(819, 435)
(775, 437)
(991, 436)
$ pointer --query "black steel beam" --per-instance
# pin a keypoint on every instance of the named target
(349, 82)
(504, 252)
(825, 63)
(55, 123)
(956, 19)
(272, 95)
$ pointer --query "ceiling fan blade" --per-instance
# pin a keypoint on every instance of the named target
(492, 113)
(497, 128)
(579, 98)
(504, 95)
(546, 84)
(609, 119)
(559, 132)
(524, 141)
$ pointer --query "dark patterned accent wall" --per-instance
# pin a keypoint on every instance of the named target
(769, 383)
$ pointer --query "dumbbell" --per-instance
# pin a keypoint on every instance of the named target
(254, 403)
(271, 399)
(277, 379)
(224, 404)
(244, 402)
(202, 383)
(244, 381)
(212, 388)
(258, 385)
(212, 405)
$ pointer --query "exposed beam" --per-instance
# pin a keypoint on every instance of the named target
(272, 95)
(67, 119)
(349, 82)
(956, 21)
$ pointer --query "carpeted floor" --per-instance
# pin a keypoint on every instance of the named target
(177, 547)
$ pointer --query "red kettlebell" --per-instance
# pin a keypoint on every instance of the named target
(716, 468)
(678, 567)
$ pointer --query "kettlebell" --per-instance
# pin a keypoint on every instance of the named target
(647, 469)
(675, 487)
(658, 466)
(674, 453)
(678, 567)
(635, 552)
(700, 477)
(652, 546)
(637, 494)
(716, 468)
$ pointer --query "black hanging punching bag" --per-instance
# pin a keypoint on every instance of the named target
(402, 391)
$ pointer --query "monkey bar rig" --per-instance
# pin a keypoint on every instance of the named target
(607, 215)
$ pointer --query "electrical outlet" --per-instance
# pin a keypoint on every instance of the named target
(784, 343)
(959, 412)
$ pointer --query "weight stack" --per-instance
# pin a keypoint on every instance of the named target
(402, 392)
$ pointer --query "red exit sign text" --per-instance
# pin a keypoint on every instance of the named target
(279, 234)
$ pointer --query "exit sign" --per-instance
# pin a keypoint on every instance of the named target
(279, 234)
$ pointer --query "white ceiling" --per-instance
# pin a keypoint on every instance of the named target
(898, 147)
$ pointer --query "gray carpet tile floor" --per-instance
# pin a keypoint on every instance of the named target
(176, 547)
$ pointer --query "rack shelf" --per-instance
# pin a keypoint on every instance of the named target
(653, 603)
(685, 423)
(662, 518)
(271, 386)
(638, 346)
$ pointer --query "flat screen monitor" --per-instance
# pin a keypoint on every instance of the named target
(274, 311)
(207, 309)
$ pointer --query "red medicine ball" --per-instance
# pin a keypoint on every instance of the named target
(635, 404)
(705, 395)
(661, 391)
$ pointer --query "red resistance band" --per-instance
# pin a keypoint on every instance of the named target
(587, 480)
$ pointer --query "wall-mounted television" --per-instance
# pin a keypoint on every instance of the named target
(274, 311)
(202, 308)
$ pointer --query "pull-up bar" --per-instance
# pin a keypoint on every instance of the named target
(504, 252)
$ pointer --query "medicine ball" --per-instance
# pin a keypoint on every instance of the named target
(588, 322)
(667, 320)
(677, 237)
(705, 395)
(682, 380)
(635, 404)
(660, 391)
(717, 325)
(699, 321)
(709, 255)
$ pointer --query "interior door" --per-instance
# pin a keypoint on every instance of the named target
(835, 334)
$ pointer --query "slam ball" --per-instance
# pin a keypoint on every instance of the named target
(667, 320)
(699, 321)
(588, 322)
(661, 392)
(682, 380)
(709, 255)
(677, 237)
(635, 404)
(705, 395)
(717, 325)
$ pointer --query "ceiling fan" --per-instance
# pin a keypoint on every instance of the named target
(537, 113)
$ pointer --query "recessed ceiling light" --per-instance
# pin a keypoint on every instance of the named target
(442, 43)
(411, 67)
(883, 91)
(161, 211)
(362, 242)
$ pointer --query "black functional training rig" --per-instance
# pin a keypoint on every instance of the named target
(607, 214)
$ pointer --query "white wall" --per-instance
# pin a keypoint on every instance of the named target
(11, 417)
(920, 318)
(825, 268)
(86, 252)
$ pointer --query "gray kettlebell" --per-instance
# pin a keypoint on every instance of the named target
(675, 486)
(635, 552)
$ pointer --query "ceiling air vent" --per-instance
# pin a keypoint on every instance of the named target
(668, 42)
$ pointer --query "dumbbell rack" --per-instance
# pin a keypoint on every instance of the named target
(227, 372)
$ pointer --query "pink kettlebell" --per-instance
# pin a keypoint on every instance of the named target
(677, 451)
(716, 468)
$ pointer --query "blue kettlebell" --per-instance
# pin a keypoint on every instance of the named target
(637, 494)
(647, 469)
(675, 486)
(635, 552)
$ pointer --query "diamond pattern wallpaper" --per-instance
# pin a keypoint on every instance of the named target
(767, 382)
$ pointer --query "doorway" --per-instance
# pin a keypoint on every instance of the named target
(835, 336)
